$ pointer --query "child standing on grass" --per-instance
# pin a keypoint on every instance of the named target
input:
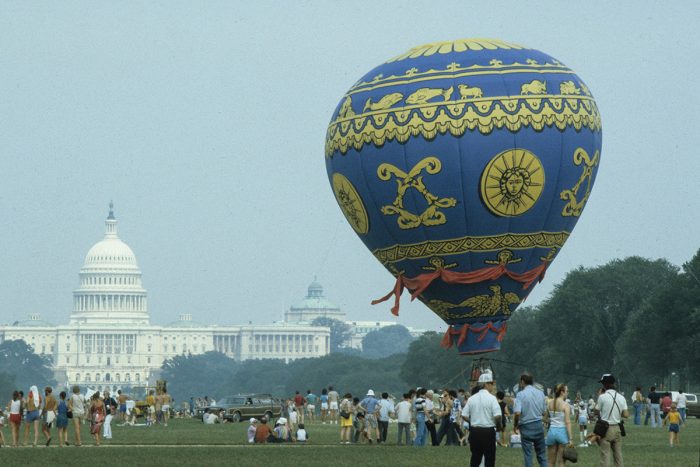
(674, 420)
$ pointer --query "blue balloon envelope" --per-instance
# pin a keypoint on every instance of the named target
(464, 166)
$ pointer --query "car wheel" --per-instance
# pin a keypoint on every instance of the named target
(236, 417)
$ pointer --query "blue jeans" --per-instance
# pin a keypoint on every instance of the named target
(421, 430)
(637, 413)
(407, 428)
(682, 412)
(532, 434)
(655, 415)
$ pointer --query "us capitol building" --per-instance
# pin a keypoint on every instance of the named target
(110, 341)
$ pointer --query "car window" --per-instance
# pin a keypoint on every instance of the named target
(691, 398)
(237, 401)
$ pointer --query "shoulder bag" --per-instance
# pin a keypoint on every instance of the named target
(601, 426)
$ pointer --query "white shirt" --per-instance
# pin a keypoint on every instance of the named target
(681, 401)
(385, 408)
(481, 408)
(403, 412)
(301, 434)
(210, 418)
(429, 406)
(608, 411)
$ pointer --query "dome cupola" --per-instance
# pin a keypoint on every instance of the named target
(110, 283)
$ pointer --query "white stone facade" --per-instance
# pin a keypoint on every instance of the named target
(110, 343)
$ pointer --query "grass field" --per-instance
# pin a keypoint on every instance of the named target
(188, 442)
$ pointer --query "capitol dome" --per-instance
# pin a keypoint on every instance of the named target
(315, 305)
(110, 283)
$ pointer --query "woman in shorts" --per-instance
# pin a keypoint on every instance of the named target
(15, 409)
(33, 415)
(76, 405)
(324, 405)
(559, 434)
(62, 420)
(166, 407)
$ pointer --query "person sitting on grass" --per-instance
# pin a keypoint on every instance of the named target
(209, 418)
(252, 429)
(302, 436)
(282, 432)
(263, 432)
(674, 421)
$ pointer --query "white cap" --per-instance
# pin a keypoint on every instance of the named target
(370, 393)
(486, 377)
(252, 420)
(282, 420)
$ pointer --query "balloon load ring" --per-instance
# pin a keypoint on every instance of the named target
(464, 166)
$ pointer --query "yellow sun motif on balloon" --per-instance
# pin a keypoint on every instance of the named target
(350, 203)
(512, 182)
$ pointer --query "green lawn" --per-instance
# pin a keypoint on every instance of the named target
(188, 442)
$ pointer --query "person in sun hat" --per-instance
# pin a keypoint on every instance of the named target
(483, 413)
(251, 430)
(370, 406)
(612, 408)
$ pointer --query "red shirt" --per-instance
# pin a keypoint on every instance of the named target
(262, 432)
(299, 400)
(666, 404)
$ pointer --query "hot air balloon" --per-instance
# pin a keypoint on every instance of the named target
(464, 166)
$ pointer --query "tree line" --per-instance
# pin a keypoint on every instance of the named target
(635, 317)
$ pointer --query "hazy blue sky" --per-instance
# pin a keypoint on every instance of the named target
(205, 123)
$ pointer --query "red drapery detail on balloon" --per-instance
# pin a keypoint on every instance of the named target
(419, 283)
(482, 330)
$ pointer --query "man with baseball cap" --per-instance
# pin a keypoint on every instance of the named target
(483, 414)
(612, 408)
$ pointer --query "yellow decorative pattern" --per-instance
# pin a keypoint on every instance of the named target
(413, 179)
(460, 45)
(504, 257)
(456, 117)
(350, 203)
(574, 207)
(512, 182)
(456, 71)
(481, 305)
(469, 244)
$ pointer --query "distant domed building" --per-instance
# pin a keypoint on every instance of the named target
(109, 342)
(315, 305)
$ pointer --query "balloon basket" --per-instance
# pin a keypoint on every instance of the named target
(479, 367)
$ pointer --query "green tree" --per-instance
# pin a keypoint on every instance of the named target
(18, 360)
(427, 364)
(268, 376)
(576, 334)
(340, 331)
(386, 341)
(198, 375)
(347, 373)
(663, 335)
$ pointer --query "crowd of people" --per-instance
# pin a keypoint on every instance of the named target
(540, 422)
(42, 413)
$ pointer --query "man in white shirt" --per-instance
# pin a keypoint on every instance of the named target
(403, 417)
(386, 408)
(611, 407)
(333, 398)
(483, 414)
(681, 403)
